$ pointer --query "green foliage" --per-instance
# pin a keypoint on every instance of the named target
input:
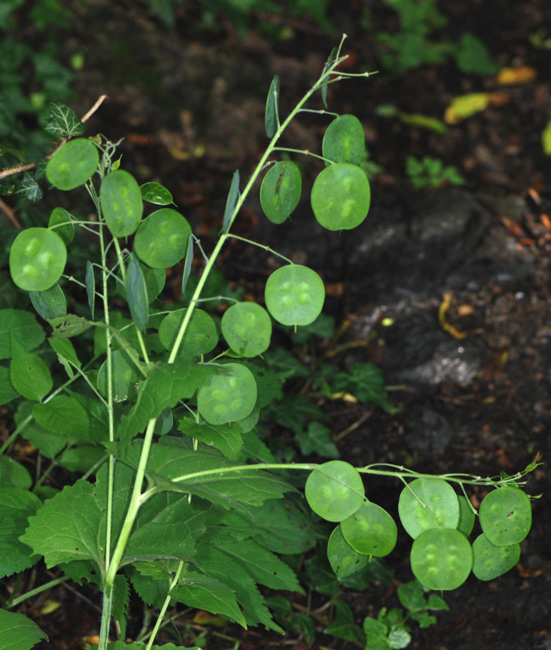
(187, 504)
(413, 45)
(430, 172)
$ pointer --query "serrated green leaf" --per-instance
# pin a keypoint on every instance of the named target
(167, 526)
(72, 525)
(198, 590)
(121, 602)
(280, 526)
(63, 415)
(23, 326)
(65, 123)
(164, 388)
(122, 645)
(49, 444)
(67, 326)
(17, 632)
(16, 505)
(29, 374)
(233, 195)
(195, 470)
(218, 565)
(261, 564)
(225, 437)
(28, 189)
(12, 474)
(7, 391)
(343, 624)
(317, 440)
(65, 350)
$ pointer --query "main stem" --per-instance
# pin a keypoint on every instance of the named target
(137, 497)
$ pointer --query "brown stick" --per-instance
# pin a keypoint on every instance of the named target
(22, 168)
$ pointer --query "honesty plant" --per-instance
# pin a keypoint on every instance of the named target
(156, 408)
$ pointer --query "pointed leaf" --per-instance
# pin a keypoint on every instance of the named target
(63, 415)
(12, 474)
(225, 437)
(23, 326)
(218, 565)
(137, 294)
(72, 525)
(7, 391)
(262, 565)
(65, 123)
(328, 64)
(29, 374)
(90, 287)
(272, 117)
(156, 193)
(65, 327)
(164, 388)
(16, 505)
(233, 195)
(50, 303)
(28, 189)
(187, 266)
(62, 224)
(198, 590)
(17, 632)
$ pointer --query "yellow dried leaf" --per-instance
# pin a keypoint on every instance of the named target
(447, 327)
(546, 139)
(522, 75)
(464, 106)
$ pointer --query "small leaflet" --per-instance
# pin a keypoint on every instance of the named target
(137, 294)
(187, 265)
(90, 287)
(233, 195)
(329, 63)
(65, 122)
(272, 116)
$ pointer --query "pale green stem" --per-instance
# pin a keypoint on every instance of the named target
(123, 273)
(400, 473)
(35, 592)
(269, 149)
(133, 507)
(165, 606)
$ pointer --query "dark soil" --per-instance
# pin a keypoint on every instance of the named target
(190, 106)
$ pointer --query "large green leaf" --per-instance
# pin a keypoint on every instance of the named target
(164, 388)
(261, 564)
(29, 374)
(16, 505)
(72, 525)
(17, 632)
(196, 473)
(225, 437)
(121, 645)
(7, 391)
(37, 259)
(167, 526)
(218, 565)
(73, 164)
(63, 415)
(23, 326)
(198, 590)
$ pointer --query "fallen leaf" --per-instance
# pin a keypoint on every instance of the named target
(522, 75)
(447, 327)
(546, 139)
(465, 106)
